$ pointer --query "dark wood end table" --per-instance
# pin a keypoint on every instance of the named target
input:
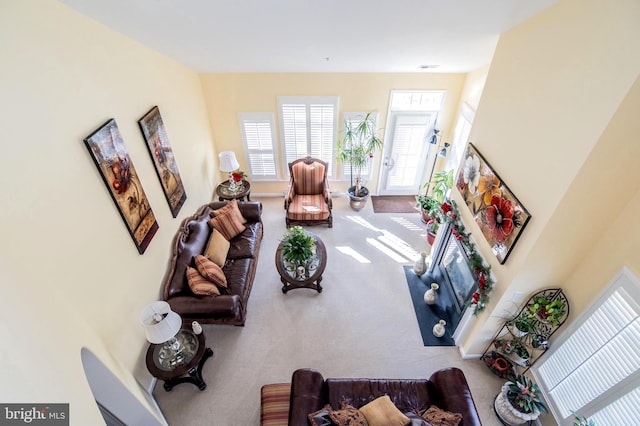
(184, 367)
(243, 190)
(312, 274)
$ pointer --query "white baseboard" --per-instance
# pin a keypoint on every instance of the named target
(465, 355)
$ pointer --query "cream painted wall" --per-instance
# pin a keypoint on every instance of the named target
(71, 275)
(229, 94)
(555, 83)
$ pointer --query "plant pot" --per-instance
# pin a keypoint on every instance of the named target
(509, 414)
(431, 235)
(357, 202)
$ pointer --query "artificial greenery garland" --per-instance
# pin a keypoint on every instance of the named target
(481, 272)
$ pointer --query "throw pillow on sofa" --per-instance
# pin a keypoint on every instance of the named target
(217, 248)
(382, 412)
(228, 225)
(200, 285)
(210, 271)
(321, 417)
(230, 207)
(347, 415)
(439, 417)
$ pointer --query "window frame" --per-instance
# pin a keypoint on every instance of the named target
(630, 284)
(344, 175)
(308, 102)
(259, 117)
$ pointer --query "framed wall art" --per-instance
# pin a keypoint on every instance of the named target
(157, 141)
(114, 164)
(498, 213)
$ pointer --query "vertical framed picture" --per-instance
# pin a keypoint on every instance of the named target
(157, 141)
(498, 213)
(119, 175)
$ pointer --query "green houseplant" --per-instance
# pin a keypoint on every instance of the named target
(297, 246)
(430, 202)
(550, 311)
(519, 401)
(358, 144)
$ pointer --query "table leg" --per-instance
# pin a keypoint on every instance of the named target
(195, 374)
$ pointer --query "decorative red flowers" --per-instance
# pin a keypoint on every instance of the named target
(475, 298)
(500, 218)
(122, 174)
(237, 176)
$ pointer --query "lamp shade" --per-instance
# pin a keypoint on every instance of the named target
(228, 162)
(160, 322)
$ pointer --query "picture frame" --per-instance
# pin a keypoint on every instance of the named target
(157, 141)
(497, 211)
(111, 157)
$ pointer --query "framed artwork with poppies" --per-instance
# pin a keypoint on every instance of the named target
(498, 213)
(157, 141)
(114, 164)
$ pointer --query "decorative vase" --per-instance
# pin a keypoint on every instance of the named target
(508, 413)
(430, 295)
(420, 266)
(196, 327)
(438, 329)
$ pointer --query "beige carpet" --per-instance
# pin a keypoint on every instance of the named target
(361, 325)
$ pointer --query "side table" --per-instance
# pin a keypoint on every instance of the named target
(184, 367)
(312, 274)
(243, 190)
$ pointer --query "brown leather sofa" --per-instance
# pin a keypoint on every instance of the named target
(239, 268)
(446, 388)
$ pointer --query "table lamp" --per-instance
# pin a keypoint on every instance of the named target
(228, 163)
(161, 325)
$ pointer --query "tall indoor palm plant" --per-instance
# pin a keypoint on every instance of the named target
(357, 146)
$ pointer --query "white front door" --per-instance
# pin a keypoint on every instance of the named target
(406, 151)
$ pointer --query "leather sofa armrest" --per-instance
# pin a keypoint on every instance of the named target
(251, 210)
(449, 390)
(307, 395)
(225, 305)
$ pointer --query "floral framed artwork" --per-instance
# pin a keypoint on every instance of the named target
(498, 213)
(119, 175)
(157, 142)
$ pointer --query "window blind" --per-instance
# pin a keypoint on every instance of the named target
(594, 367)
(258, 139)
(309, 127)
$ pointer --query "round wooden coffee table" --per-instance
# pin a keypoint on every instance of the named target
(311, 276)
(184, 367)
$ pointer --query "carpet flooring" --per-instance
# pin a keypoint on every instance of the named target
(394, 204)
(362, 324)
(427, 315)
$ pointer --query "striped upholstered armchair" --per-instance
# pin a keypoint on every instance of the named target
(308, 199)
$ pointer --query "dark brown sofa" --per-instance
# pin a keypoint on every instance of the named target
(239, 268)
(446, 388)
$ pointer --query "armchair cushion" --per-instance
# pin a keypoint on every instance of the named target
(308, 207)
(308, 200)
(308, 179)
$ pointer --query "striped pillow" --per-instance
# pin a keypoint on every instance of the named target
(230, 207)
(228, 225)
(199, 284)
(210, 271)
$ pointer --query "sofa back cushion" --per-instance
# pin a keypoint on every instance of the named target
(406, 394)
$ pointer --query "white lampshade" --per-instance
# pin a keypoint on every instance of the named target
(160, 322)
(228, 162)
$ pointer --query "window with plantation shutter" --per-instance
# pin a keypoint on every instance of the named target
(308, 126)
(594, 367)
(258, 137)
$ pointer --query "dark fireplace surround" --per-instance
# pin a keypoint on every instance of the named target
(450, 269)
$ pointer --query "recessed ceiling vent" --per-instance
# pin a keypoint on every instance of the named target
(427, 67)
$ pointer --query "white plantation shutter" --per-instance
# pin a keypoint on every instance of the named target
(308, 126)
(258, 137)
(594, 367)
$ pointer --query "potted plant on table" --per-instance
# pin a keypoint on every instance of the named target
(519, 401)
(297, 247)
(358, 144)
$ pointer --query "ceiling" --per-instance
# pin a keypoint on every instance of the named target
(316, 35)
